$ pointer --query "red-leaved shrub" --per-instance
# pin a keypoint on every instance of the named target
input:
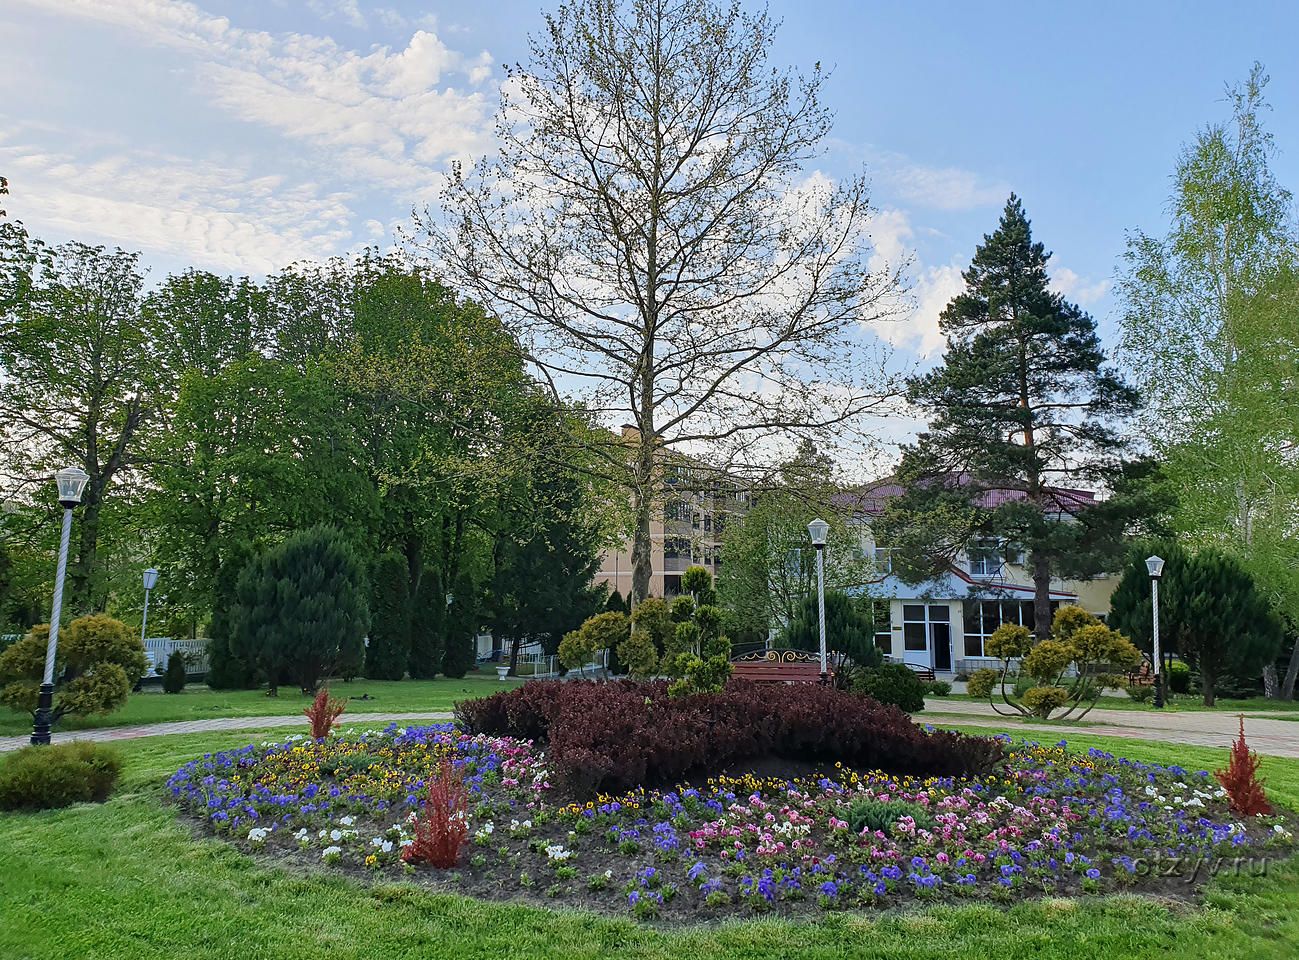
(612, 736)
(324, 713)
(442, 829)
(1241, 780)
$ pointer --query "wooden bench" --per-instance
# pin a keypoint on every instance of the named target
(780, 666)
(924, 673)
(1144, 677)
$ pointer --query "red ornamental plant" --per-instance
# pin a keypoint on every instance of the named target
(1241, 780)
(324, 713)
(444, 826)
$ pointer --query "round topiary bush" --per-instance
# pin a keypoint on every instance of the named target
(894, 683)
(43, 778)
(982, 682)
(1179, 677)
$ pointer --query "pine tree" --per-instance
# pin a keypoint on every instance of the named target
(427, 623)
(173, 680)
(1021, 406)
(388, 654)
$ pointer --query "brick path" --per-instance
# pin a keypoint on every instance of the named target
(358, 720)
(1195, 728)
(1199, 728)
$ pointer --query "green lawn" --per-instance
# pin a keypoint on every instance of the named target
(197, 702)
(126, 880)
(1182, 702)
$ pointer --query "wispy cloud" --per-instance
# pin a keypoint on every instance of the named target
(904, 180)
(1082, 291)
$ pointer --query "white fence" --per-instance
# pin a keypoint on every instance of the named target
(158, 650)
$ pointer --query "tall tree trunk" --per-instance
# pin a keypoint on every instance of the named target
(1291, 674)
(1206, 684)
(81, 570)
(1271, 687)
(1041, 597)
(641, 555)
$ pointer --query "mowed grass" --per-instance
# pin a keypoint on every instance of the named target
(1179, 703)
(197, 702)
(126, 879)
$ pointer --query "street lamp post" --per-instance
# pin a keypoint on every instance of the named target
(1156, 567)
(72, 484)
(819, 530)
(150, 581)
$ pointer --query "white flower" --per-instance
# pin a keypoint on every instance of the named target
(258, 834)
(1195, 802)
(556, 851)
(347, 821)
(336, 835)
(331, 852)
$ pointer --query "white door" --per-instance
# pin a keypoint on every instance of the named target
(926, 628)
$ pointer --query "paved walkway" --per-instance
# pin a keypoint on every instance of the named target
(1199, 728)
(357, 720)
(1195, 728)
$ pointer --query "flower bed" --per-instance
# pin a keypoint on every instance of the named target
(1048, 822)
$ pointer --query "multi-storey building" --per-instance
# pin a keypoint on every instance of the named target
(686, 525)
(942, 624)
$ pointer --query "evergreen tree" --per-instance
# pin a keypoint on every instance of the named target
(1021, 406)
(461, 636)
(299, 605)
(1210, 611)
(173, 680)
(847, 630)
(388, 654)
(427, 623)
(616, 604)
(229, 667)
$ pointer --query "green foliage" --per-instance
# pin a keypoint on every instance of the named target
(388, 653)
(1041, 701)
(602, 632)
(47, 777)
(1022, 401)
(702, 676)
(1008, 641)
(1048, 660)
(654, 614)
(616, 603)
(695, 580)
(847, 630)
(1142, 693)
(637, 652)
(1210, 329)
(427, 620)
(893, 683)
(938, 688)
(1211, 613)
(1179, 677)
(299, 604)
(173, 681)
(685, 640)
(879, 816)
(683, 608)
(97, 663)
(575, 650)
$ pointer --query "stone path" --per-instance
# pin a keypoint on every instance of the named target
(359, 720)
(1195, 728)
(1199, 728)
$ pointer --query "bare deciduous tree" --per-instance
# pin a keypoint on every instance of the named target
(649, 228)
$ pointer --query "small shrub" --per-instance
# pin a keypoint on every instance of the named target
(1141, 693)
(637, 652)
(324, 713)
(1241, 780)
(893, 683)
(879, 815)
(173, 680)
(443, 828)
(982, 682)
(43, 778)
(1179, 677)
(1043, 700)
(938, 688)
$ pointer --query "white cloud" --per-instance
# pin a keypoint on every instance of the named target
(1068, 284)
(937, 188)
(207, 213)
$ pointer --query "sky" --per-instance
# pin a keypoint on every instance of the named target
(241, 136)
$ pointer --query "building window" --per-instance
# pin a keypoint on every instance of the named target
(985, 558)
(676, 547)
(671, 585)
(883, 626)
(982, 617)
(883, 561)
(914, 634)
(676, 510)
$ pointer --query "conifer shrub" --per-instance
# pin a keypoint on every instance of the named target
(388, 654)
(893, 683)
(173, 679)
(47, 777)
(443, 826)
(98, 662)
(324, 713)
(1241, 780)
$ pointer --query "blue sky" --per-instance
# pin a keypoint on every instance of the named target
(239, 136)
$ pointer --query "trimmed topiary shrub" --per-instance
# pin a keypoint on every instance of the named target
(982, 682)
(43, 778)
(938, 688)
(388, 654)
(1179, 677)
(892, 683)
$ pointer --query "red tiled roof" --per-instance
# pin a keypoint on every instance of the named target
(870, 498)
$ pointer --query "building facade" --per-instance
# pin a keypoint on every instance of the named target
(944, 623)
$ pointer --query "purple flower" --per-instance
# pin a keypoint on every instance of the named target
(1093, 874)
